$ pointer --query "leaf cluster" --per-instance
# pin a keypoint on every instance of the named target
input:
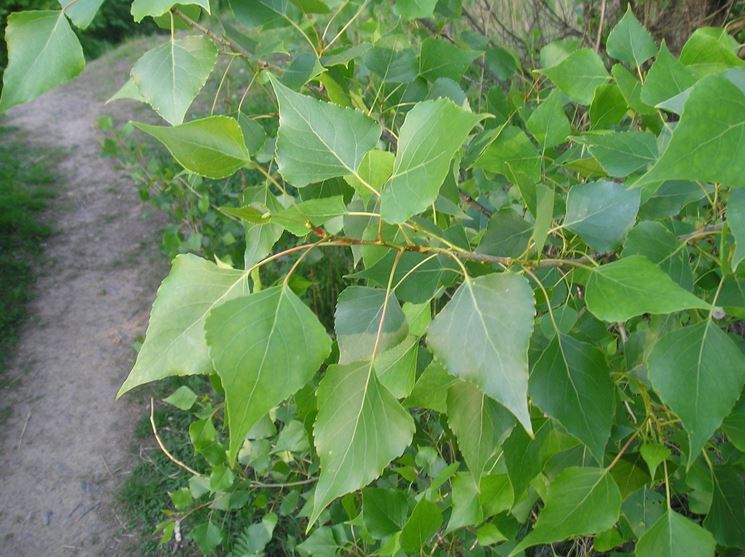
(538, 339)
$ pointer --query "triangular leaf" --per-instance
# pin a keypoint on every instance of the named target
(81, 12)
(171, 75)
(579, 502)
(673, 535)
(213, 147)
(634, 286)
(174, 343)
(42, 53)
(431, 134)
(707, 142)
(699, 373)
(482, 335)
(578, 75)
(571, 382)
(629, 41)
(360, 429)
(318, 140)
(601, 212)
(480, 425)
(283, 345)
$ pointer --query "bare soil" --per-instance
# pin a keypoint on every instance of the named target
(66, 446)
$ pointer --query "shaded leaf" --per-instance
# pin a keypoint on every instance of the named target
(359, 310)
(699, 373)
(601, 213)
(480, 425)
(571, 382)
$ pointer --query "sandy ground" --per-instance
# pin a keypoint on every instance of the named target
(66, 447)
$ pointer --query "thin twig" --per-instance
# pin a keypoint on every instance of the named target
(599, 38)
(163, 448)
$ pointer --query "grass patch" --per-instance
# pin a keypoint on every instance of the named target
(26, 179)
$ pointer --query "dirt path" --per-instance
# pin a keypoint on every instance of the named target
(66, 446)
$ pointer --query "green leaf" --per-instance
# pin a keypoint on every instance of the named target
(699, 373)
(155, 8)
(482, 336)
(263, 373)
(207, 536)
(301, 70)
(543, 217)
(415, 9)
(384, 511)
(431, 389)
(213, 147)
(579, 502)
(174, 343)
(654, 455)
(423, 523)
(578, 75)
(266, 13)
(736, 223)
(359, 310)
(81, 12)
(396, 368)
(467, 509)
(601, 213)
(655, 242)
(621, 153)
(318, 140)
(253, 133)
(431, 134)
(571, 382)
(416, 278)
(631, 89)
(375, 169)
(708, 139)
(299, 218)
(321, 543)
(548, 123)
(359, 430)
(629, 41)
(666, 78)
(171, 75)
(514, 155)
(182, 398)
(608, 107)
(439, 58)
(634, 286)
(260, 237)
(673, 535)
(43, 52)
(524, 456)
(507, 234)
(480, 425)
(711, 50)
(394, 66)
(502, 62)
(726, 518)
